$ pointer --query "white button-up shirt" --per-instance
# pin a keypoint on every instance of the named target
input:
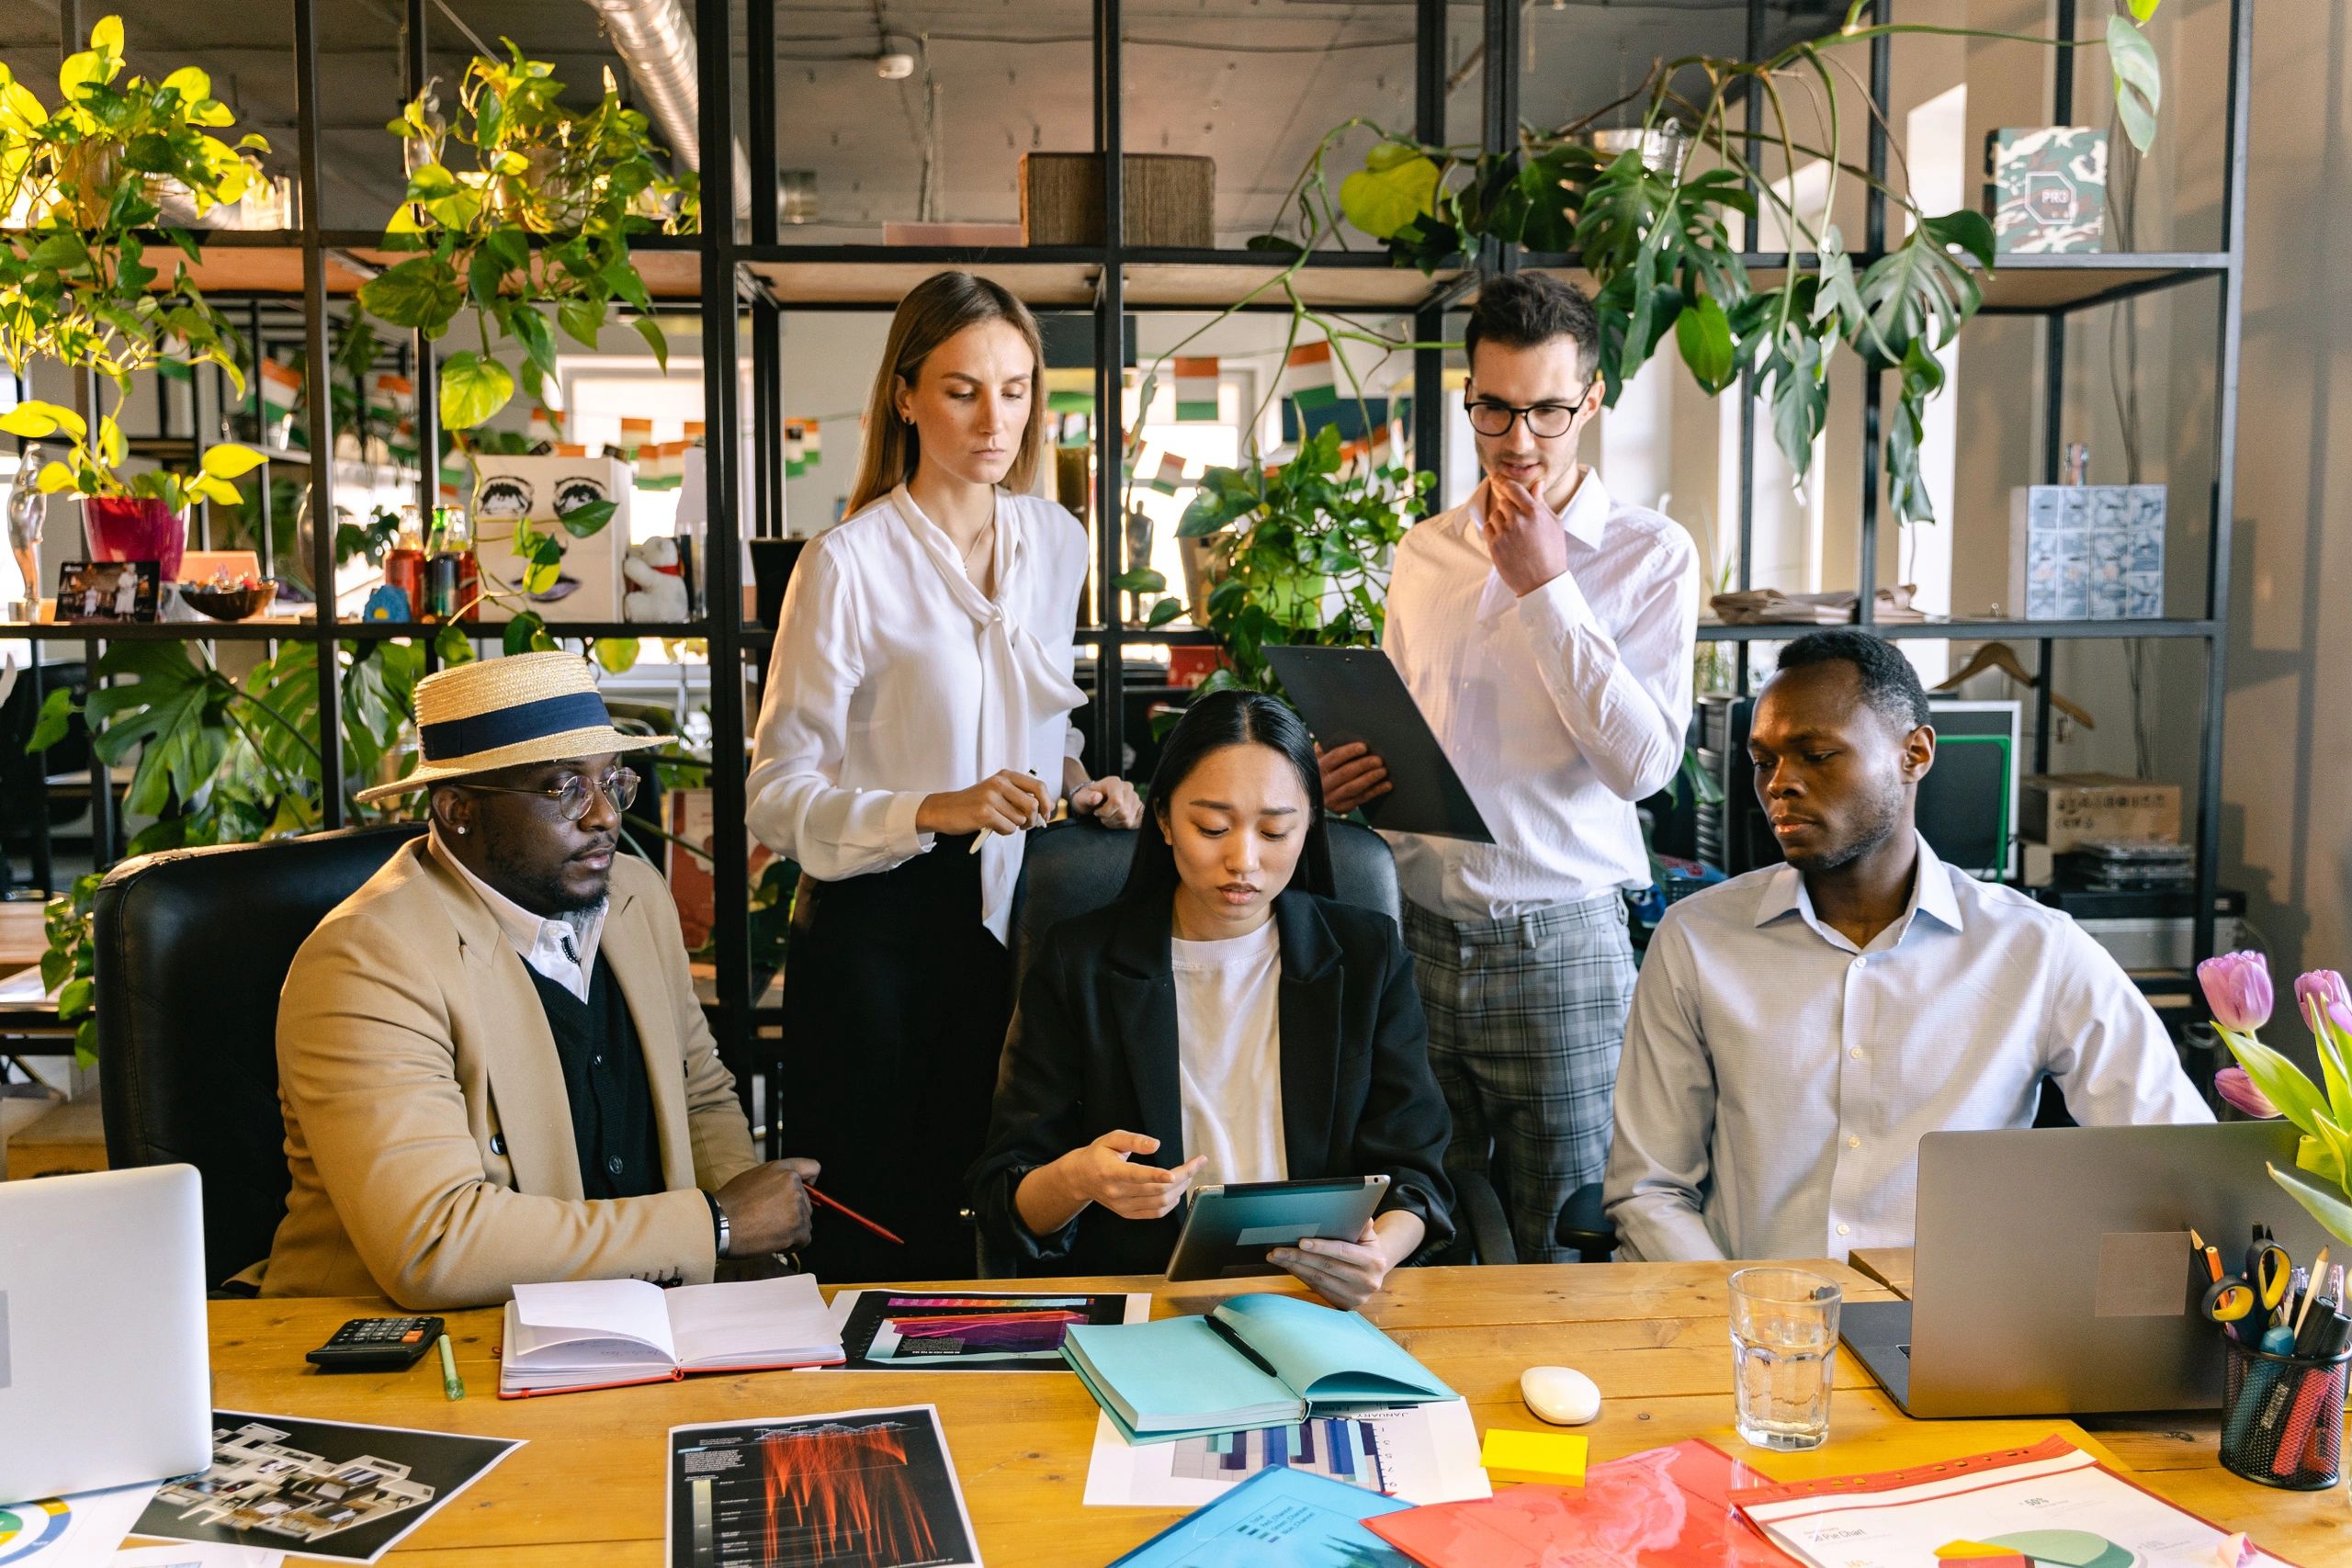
(1776, 1079)
(561, 948)
(1559, 710)
(894, 678)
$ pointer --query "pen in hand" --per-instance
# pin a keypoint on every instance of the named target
(1037, 819)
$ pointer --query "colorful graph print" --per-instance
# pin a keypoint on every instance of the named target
(2038, 1549)
(26, 1528)
(1337, 1447)
(1004, 1331)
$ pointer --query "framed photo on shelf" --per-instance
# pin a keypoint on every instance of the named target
(106, 589)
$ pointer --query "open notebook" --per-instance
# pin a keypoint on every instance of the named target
(1257, 1360)
(604, 1333)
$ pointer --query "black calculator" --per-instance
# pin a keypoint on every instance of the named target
(377, 1344)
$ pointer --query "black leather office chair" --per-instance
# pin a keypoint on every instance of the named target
(193, 946)
(1077, 867)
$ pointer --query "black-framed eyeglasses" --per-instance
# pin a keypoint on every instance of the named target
(571, 796)
(1545, 421)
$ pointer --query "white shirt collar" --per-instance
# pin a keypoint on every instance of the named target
(1784, 894)
(563, 950)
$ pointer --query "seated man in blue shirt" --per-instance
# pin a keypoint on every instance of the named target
(1797, 1028)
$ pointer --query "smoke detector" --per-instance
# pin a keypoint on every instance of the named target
(894, 67)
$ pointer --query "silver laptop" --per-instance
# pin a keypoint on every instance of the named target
(2051, 1267)
(105, 1377)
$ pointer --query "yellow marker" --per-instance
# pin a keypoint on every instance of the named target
(1555, 1459)
(451, 1384)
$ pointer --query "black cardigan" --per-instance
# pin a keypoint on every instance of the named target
(1093, 1047)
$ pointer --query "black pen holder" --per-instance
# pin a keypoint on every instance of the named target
(2282, 1417)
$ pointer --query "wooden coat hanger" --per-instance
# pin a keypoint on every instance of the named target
(2000, 656)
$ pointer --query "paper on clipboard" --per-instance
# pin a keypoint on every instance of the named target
(1355, 694)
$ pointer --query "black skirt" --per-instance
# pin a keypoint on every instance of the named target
(896, 1000)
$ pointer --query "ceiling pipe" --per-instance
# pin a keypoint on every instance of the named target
(656, 41)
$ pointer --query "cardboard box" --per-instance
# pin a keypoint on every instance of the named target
(1167, 199)
(2064, 810)
(542, 488)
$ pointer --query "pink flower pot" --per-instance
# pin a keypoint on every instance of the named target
(131, 528)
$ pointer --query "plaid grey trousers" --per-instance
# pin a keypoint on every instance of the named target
(1527, 1016)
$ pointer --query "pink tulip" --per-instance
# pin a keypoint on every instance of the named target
(2323, 986)
(2238, 1088)
(2237, 987)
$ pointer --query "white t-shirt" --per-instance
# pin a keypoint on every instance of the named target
(1228, 1055)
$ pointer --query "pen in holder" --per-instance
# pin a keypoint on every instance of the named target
(2282, 1417)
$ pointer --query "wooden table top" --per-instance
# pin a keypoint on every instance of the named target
(1890, 1266)
(1653, 1337)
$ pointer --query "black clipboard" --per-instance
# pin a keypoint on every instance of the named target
(1355, 694)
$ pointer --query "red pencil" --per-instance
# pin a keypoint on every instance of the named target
(852, 1213)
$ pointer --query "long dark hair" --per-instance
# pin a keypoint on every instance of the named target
(1215, 722)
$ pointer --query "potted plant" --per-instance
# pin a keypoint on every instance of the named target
(82, 183)
(521, 210)
(139, 518)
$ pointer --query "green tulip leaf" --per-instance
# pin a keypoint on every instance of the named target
(2281, 1082)
(2323, 1203)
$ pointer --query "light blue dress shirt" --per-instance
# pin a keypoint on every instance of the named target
(1776, 1079)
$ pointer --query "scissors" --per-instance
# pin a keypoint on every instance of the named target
(2227, 1298)
(2268, 1269)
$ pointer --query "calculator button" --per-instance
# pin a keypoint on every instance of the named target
(411, 1336)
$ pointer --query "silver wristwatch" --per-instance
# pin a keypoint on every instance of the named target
(726, 1236)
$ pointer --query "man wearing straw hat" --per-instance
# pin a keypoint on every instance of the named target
(493, 1068)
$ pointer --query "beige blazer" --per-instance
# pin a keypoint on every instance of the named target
(426, 1120)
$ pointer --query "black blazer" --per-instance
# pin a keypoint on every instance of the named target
(1092, 1047)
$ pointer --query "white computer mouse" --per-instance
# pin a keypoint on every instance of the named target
(1561, 1395)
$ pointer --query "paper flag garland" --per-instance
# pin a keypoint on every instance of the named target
(1197, 381)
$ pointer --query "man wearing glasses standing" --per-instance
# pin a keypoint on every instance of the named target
(492, 1062)
(1546, 630)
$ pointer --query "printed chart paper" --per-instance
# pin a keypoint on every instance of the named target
(1420, 1453)
(2049, 1505)
(998, 1331)
(77, 1531)
(852, 1489)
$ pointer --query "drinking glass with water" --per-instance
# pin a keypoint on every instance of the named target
(1784, 1355)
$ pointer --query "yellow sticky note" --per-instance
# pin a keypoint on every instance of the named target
(1556, 1459)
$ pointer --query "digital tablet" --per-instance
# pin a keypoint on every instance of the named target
(1229, 1229)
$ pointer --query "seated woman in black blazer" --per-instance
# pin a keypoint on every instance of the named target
(1218, 1023)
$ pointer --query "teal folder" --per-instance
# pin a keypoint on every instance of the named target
(1277, 1518)
(1257, 1360)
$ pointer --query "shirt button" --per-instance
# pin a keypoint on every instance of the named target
(1853, 1142)
(614, 1165)
(1858, 962)
(1856, 1052)
(598, 1060)
(1844, 1229)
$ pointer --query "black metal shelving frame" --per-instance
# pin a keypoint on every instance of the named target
(750, 270)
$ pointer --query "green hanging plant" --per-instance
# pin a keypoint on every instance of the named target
(1658, 240)
(82, 183)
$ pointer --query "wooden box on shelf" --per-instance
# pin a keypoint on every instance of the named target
(1169, 200)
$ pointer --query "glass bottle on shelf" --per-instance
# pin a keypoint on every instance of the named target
(404, 562)
(457, 543)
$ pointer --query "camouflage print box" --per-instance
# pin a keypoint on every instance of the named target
(2045, 189)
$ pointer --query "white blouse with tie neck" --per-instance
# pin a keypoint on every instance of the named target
(894, 678)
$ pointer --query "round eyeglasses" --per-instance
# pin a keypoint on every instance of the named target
(571, 796)
(1545, 421)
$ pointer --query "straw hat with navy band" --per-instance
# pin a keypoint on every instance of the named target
(503, 713)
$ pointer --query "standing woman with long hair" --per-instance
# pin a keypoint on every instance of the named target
(916, 724)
